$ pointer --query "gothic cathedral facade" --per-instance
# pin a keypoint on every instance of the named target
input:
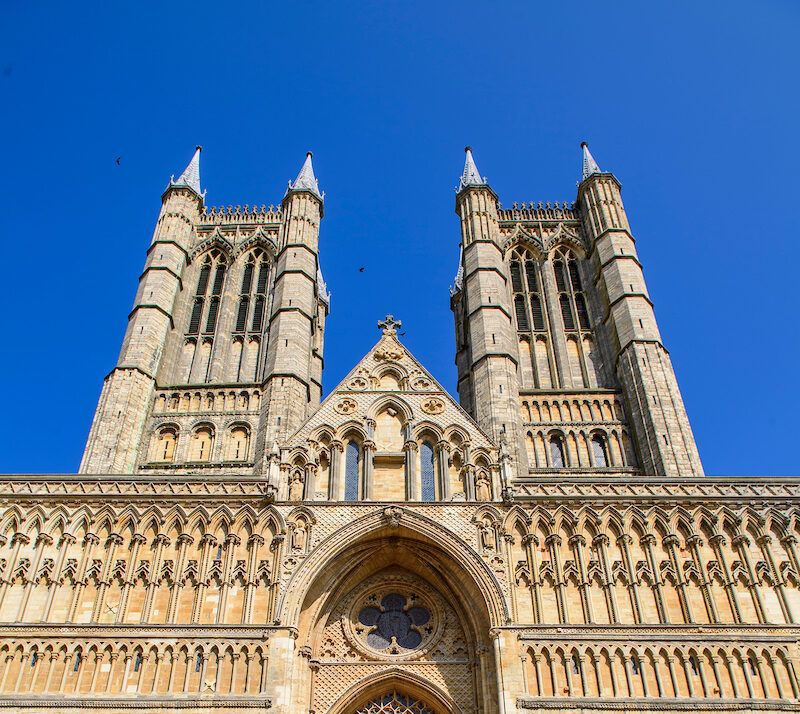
(546, 542)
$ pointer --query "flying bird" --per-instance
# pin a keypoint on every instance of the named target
(361, 269)
(119, 160)
(402, 334)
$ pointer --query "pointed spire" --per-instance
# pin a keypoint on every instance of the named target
(322, 288)
(471, 176)
(306, 181)
(191, 174)
(458, 282)
(590, 166)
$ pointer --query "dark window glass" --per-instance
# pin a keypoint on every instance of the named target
(583, 313)
(561, 282)
(213, 310)
(599, 451)
(194, 321)
(516, 276)
(521, 313)
(428, 480)
(247, 280)
(263, 273)
(241, 316)
(202, 283)
(219, 277)
(537, 313)
(258, 314)
(530, 273)
(574, 275)
(351, 472)
(566, 313)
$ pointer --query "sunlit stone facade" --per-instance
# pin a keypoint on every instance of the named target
(547, 542)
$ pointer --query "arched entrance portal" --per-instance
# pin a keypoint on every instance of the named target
(393, 622)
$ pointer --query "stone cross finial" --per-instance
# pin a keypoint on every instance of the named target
(389, 325)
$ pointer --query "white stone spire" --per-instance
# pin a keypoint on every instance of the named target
(471, 176)
(590, 166)
(306, 181)
(191, 174)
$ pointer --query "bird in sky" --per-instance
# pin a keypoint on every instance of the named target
(119, 160)
(361, 269)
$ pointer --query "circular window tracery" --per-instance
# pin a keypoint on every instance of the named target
(394, 621)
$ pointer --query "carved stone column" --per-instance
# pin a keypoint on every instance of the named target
(113, 542)
(90, 541)
(741, 543)
(633, 581)
(42, 541)
(694, 542)
(577, 542)
(410, 468)
(232, 541)
(335, 476)
(369, 470)
(780, 586)
(442, 466)
(717, 542)
(161, 541)
(253, 543)
(600, 542)
(130, 576)
(553, 542)
(64, 543)
(647, 542)
(184, 541)
(670, 543)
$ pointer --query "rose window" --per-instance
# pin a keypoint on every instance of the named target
(395, 624)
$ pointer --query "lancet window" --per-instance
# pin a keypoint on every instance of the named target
(251, 311)
(205, 308)
(571, 299)
(531, 317)
(599, 450)
(351, 471)
(427, 472)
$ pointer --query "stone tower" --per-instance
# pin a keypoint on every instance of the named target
(549, 544)
(223, 351)
(555, 331)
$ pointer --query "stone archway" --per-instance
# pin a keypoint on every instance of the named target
(399, 599)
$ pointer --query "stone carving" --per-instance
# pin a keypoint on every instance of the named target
(433, 405)
(346, 406)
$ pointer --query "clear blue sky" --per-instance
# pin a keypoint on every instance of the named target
(693, 105)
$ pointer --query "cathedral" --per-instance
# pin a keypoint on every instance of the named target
(544, 541)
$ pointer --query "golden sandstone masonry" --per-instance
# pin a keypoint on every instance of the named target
(548, 542)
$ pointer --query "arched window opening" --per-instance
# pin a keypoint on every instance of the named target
(427, 472)
(600, 450)
(239, 443)
(202, 443)
(255, 284)
(530, 314)
(351, 471)
(572, 301)
(213, 264)
(166, 442)
(557, 460)
(394, 702)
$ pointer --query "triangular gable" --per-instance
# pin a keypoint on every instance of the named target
(389, 373)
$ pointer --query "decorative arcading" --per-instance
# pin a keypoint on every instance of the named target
(222, 215)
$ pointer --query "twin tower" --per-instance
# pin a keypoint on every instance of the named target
(560, 361)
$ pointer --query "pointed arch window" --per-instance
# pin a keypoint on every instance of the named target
(253, 295)
(530, 314)
(211, 275)
(571, 297)
(351, 471)
(427, 472)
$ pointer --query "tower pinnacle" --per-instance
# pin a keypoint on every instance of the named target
(306, 181)
(471, 175)
(590, 166)
(191, 174)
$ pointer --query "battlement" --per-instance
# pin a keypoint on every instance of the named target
(533, 211)
(226, 215)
